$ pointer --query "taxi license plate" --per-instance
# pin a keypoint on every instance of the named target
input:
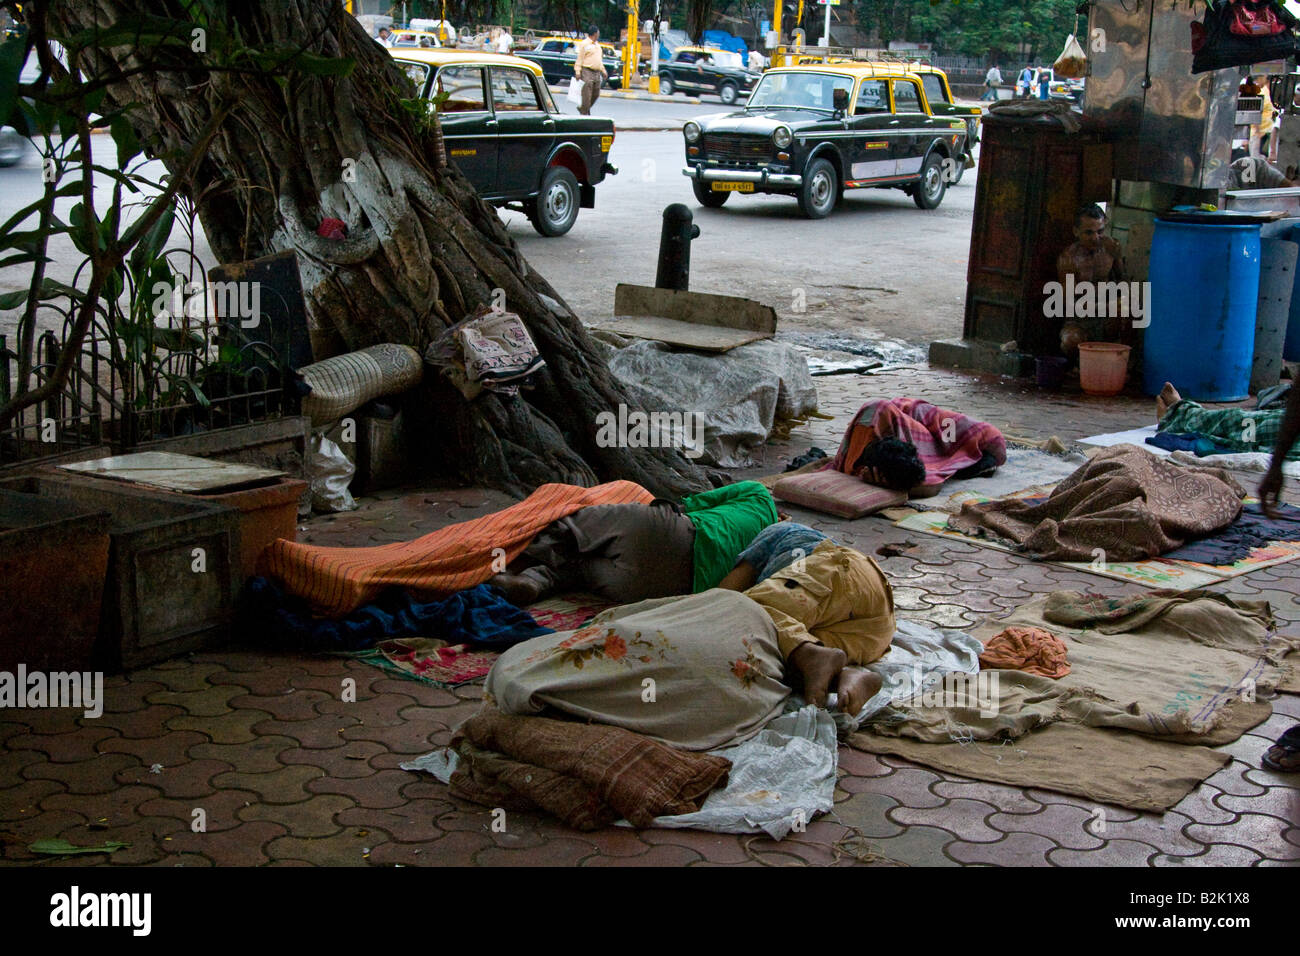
(727, 187)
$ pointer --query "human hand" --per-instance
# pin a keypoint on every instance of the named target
(1270, 490)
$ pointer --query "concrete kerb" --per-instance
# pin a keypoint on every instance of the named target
(639, 95)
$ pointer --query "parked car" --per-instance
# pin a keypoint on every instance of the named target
(812, 132)
(505, 134)
(556, 55)
(1066, 89)
(412, 39)
(939, 95)
(694, 69)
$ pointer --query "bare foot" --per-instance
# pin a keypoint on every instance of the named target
(857, 686)
(519, 590)
(818, 666)
(1166, 400)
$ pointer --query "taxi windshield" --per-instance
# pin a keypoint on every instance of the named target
(814, 91)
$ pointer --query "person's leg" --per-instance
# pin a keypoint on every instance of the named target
(1166, 400)
(741, 578)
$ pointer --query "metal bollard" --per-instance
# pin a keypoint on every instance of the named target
(675, 248)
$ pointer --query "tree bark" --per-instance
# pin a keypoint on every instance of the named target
(423, 251)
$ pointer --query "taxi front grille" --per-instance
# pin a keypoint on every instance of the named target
(733, 148)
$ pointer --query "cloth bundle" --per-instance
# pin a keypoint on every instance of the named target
(1029, 649)
(1125, 502)
(489, 350)
(346, 382)
(588, 775)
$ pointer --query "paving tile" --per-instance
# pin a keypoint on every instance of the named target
(1113, 853)
(1202, 805)
(1015, 849)
(1006, 799)
(1233, 779)
(454, 849)
(191, 779)
(256, 756)
(346, 848)
(917, 846)
(169, 750)
(321, 733)
(236, 727)
(180, 674)
(220, 809)
(87, 776)
(1257, 832)
(122, 696)
(412, 822)
(867, 813)
(285, 785)
(25, 799)
(1281, 802)
(348, 761)
(910, 786)
(558, 851)
(424, 694)
(1222, 854)
(76, 745)
(412, 737)
(183, 860)
(380, 790)
(663, 855)
(288, 706)
(210, 701)
(141, 724)
(1165, 832)
(964, 818)
(859, 763)
(245, 845)
(315, 817)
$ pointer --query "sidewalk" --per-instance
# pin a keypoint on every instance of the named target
(287, 773)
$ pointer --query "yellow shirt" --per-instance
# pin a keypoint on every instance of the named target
(1266, 113)
(589, 57)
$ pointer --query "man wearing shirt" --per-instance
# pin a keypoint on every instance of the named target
(589, 68)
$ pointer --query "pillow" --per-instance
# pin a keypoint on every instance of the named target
(835, 493)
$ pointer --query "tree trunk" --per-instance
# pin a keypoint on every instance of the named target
(422, 252)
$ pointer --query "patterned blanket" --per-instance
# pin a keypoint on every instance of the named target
(946, 441)
(1239, 429)
(338, 580)
(1126, 503)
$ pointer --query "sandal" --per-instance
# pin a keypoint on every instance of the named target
(1288, 759)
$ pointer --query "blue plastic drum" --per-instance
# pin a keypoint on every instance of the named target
(1204, 290)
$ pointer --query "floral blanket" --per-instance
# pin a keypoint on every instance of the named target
(694, 672)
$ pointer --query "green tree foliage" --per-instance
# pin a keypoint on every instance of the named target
(991, 29)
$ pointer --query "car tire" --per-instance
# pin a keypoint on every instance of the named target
(665, 85)
(820, 189)
(12, 146)
(929, 191)
(728, 93)
(706, 197)
(555, 209)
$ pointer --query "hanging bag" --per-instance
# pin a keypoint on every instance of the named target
(1072, 63)
(574, 95)
(1216, 45)
(1247, 18)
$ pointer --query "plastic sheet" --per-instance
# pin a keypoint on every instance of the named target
(331, 473)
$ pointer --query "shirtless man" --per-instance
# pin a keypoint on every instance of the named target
(832, 607)
(1093, 256)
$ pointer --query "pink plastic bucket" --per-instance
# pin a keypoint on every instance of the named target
(1103, 367)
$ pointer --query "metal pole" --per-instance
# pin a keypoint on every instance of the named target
(826, 33)
(654, 51)
(778, 55)
(675, 248)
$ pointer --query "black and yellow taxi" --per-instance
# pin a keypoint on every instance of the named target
(505, 134)
(938, 93)
(814, 131)
(556, 56)
(697, 69)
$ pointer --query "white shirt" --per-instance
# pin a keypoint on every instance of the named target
(504, 42)
(755, 60)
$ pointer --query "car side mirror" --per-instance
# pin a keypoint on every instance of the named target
(840, 100)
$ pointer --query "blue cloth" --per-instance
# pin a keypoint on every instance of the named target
(478, 615)
(779, 545)
(1252, 529)
(1198, 445)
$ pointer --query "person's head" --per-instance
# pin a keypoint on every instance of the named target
(385, 33)
(593, 32)
(1239, 153)
(1089, 225)
(891, 463)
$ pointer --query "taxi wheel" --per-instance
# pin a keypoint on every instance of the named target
(929, 191)
(820, 189)
(665, 85)
(556, 208)
(728, 93)
(707, 197)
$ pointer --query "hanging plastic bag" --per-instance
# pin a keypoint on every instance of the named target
(574, 95)
(331, 472)
(1249, 19)
(1072, 63)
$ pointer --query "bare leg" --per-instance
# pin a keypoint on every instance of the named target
(1166, 400)
(741, 577)
(857, 685)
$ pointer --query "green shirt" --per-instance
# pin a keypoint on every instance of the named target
(726, 520)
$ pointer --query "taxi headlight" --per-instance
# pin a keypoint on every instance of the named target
(692, 132)
(782, 137)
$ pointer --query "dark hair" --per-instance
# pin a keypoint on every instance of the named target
(891, 463)
(1089, 211)
(592, 30)
(1239, 153)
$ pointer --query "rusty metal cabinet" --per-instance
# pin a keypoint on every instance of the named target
(1033, 177)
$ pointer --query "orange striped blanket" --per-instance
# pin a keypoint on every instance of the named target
(338, 580)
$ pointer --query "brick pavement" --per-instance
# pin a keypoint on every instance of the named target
(261, 747)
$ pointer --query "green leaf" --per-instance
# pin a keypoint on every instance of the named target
(151, 245)
(59, 847)
(12, 300)
(128, 145)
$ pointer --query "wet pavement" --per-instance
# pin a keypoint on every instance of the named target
(262, 750)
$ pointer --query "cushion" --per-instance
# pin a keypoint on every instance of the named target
(835, 493)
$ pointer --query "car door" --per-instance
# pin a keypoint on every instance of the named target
(566, 54)
(468, 125)
(871, 155)
(911, 123)
(525, 131)
(685, 69)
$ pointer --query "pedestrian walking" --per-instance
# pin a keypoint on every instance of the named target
(589, 68)
(1044, 82)
(1025, 82)
(992, 83)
